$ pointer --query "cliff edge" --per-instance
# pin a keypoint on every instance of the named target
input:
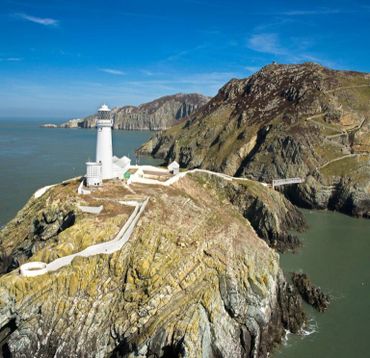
(284, 121)
(193, 280)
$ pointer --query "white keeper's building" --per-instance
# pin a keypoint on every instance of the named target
(174, 167)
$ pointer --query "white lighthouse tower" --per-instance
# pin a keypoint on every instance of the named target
(106, 165)
(104, 152)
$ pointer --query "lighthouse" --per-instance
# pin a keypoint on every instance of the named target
(104, 152)
(106, 166)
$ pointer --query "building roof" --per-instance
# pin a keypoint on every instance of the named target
(121, 162)
(173, 165)
(93, 163)
(104, 108)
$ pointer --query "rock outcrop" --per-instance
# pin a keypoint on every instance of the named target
(284, 121)
(49, 125)
(311, 294)
(72, 123)
(41, 226)
(193, 280)
(272, 216)
(156, 115)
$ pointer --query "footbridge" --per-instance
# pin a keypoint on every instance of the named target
(280, 182)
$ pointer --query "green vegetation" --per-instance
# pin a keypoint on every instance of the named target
(347, 166)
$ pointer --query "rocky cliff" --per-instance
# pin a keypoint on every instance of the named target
(156, 115)
(284, 121)
(194, 279)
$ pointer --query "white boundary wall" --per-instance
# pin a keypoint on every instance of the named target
(136, 178)
(102, 248)
(81, 189)
(32, 269)
(40, 192)
(91, 209)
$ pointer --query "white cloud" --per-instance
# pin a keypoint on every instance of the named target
(147, 72)
(266, 43)
(79, 98)
(10, 59)
(39, 20)
(298, 51)
(312, 12)
(112, 71)
(184, 53)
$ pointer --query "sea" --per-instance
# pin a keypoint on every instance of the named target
(335, 252)
(32, 157)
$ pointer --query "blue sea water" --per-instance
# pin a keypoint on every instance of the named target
(32, 157)
(336, 257)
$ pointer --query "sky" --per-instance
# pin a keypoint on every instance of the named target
(61, 59)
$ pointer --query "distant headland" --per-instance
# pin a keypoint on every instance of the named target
(159, 114)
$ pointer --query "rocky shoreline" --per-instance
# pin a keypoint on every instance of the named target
(194, 279)
(311, 294)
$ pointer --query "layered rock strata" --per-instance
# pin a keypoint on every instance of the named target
(193, 280)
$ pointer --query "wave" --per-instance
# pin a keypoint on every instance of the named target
(309, 328)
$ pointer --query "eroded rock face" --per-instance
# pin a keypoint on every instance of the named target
(284, 121)
(311, 294)
(39, 221)
(270, 213)
(193, 280)
(53, 226)
(156, 115)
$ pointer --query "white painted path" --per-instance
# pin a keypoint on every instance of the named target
(136, 178)
(102, 248)
(40, 192)
(340, 158)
